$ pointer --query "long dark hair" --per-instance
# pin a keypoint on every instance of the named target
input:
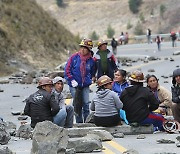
(148, 77)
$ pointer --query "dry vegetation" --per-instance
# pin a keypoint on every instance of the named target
(30, 36)
(85, 16)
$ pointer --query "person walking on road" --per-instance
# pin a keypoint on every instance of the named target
(105, 62)
(41, 105)
(106, 104)
(162, 95)
(114, 45)
(175, 89)
(158, 41)
(173, 38)
(64, 117)
(79, 73)
(148, 34)
(139, 102)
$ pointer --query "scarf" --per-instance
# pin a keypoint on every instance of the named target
(83, 58)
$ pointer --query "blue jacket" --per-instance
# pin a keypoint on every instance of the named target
(111, 64)
(118, 88)
(72, 71)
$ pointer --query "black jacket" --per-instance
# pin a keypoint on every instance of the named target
(138, 102)
(41, 106)
(175, 93)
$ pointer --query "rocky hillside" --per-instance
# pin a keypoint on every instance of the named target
(85, 16)
(30, 37)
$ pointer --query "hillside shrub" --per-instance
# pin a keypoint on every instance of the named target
(134, 5)
(162, 9)
(94, 36)
(59, 3)
(138, 30)
(110, 32)
(129, 25)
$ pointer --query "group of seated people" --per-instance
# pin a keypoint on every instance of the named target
(114, 101)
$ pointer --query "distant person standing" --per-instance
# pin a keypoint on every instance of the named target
(158, 41)
(114, 45)
(126, 38)
(173, 38)
(105, 63)
(148, 34)
(122, 38)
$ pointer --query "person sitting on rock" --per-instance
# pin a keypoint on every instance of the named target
(41, 105)
(119, 84)
(139, 102)
(162, 95)
(64, 117)
(106, 104)
(175, 89)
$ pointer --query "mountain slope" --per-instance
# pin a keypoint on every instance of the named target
(85, 16)
(30, 36)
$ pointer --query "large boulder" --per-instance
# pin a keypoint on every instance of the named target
(85, 144)
(25, 131)
(4, 135)
(49, 138)
(5, 150)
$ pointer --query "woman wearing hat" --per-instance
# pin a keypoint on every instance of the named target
(106, 104)
(79, 72)
(175, 89)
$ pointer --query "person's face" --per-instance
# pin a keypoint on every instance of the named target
(48, 88)
(59, 86)
(118, 77)
(177, 78)
(152, 83)
(108, 86)
(103, 47)
(84, 51)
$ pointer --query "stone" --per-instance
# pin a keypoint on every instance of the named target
(5, 150)
(84, 144)
(48, 138)
(22, 118)
(126, 129)
(4, 135)
(25, 131)
(1, 90)
(81, 125)
(131, 151)
(118, 135)
(151, 70)
(176, 53)
(11, 128)
(16, 112)
(4, 81)
(104, 135)
(141, 136)
(166, 141)
(178, 144)
(70, 151)
(178, 138)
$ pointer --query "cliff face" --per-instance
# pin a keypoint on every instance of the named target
(85, 16)
(31, 37)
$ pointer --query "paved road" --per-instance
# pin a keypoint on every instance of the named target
(161, 67)
(144, 146)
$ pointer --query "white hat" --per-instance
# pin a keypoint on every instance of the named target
(58, 78)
